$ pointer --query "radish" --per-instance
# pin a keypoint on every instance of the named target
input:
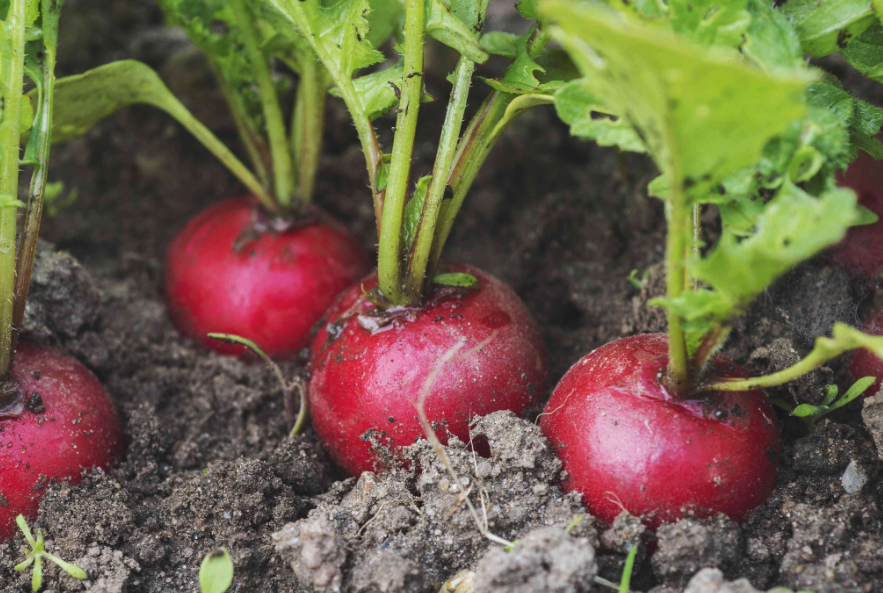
(263, 267)
(67, 423)
(56, 420)
(222, 275)
(862, 248)
(865, 363)
(628, 442)
(663, 426)
(387, 341)
(367, 370)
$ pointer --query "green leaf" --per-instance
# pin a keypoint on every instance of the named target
(546, 73)
(579, 108)
(625, 581)
(528, 8)
(74, 571)
(830, 396)
(457, 279)
(710, 22)
(211, 25)
(826, 27)
(865, 216)
(384, 18)
(443, 26)
(37, 579)
(702, 113)
(414, 211)
(794, 227)
(379, 91)
(216, 572)
(700, 312)
(340, 31)
(861, 120)
(805, 410)
(865, 52)
(500, 43)
(771, 41)
(858, 388)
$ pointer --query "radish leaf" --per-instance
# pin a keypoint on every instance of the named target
(682, 101)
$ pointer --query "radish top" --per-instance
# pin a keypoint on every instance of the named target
(720, 96)
(28, 43)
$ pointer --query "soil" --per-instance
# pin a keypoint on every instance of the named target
(209, 462)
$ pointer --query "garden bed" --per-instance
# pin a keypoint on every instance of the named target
(209, 464)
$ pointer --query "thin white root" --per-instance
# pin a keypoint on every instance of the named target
(439, 449)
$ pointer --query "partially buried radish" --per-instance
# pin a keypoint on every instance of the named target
(235, 269)
(628, 442)
(862, 248)
(56, 421)
(865, 363)
(663, 426)
(456, 331)
(370, 366)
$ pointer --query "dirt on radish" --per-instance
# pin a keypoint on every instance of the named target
(209, 464)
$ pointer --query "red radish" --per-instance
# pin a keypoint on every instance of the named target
(233, 269)
(862, 249)
(370, 378)
(866, 364)
(626, 443)
(68, 424)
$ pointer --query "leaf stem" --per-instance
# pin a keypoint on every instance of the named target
(293, 11)
(844, 338)
(307, 127)
(389, 267)
(283, 171)
(12, 85)
(678, 216)
(27, 245)
(476, 144)
(444, 159)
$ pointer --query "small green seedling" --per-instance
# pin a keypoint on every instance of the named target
(288, 387)
(626, 581)
(37, 553)
(812, 414)
(216, 572)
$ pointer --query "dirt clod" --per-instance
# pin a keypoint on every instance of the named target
(547, 559)
(872, 414)
(689, 545)
(711, 580)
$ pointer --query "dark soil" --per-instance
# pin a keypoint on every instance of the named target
(209, 462)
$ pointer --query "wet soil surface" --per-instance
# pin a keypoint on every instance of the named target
(209, 462)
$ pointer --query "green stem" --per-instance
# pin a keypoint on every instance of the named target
(389, 267)
(416, 275)
(307, 126)
(27, 246)
(10, 127)
(843, 339)
(480, 137)
(177, 110)
(678, 216)
(283, 171)
(293, 11)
